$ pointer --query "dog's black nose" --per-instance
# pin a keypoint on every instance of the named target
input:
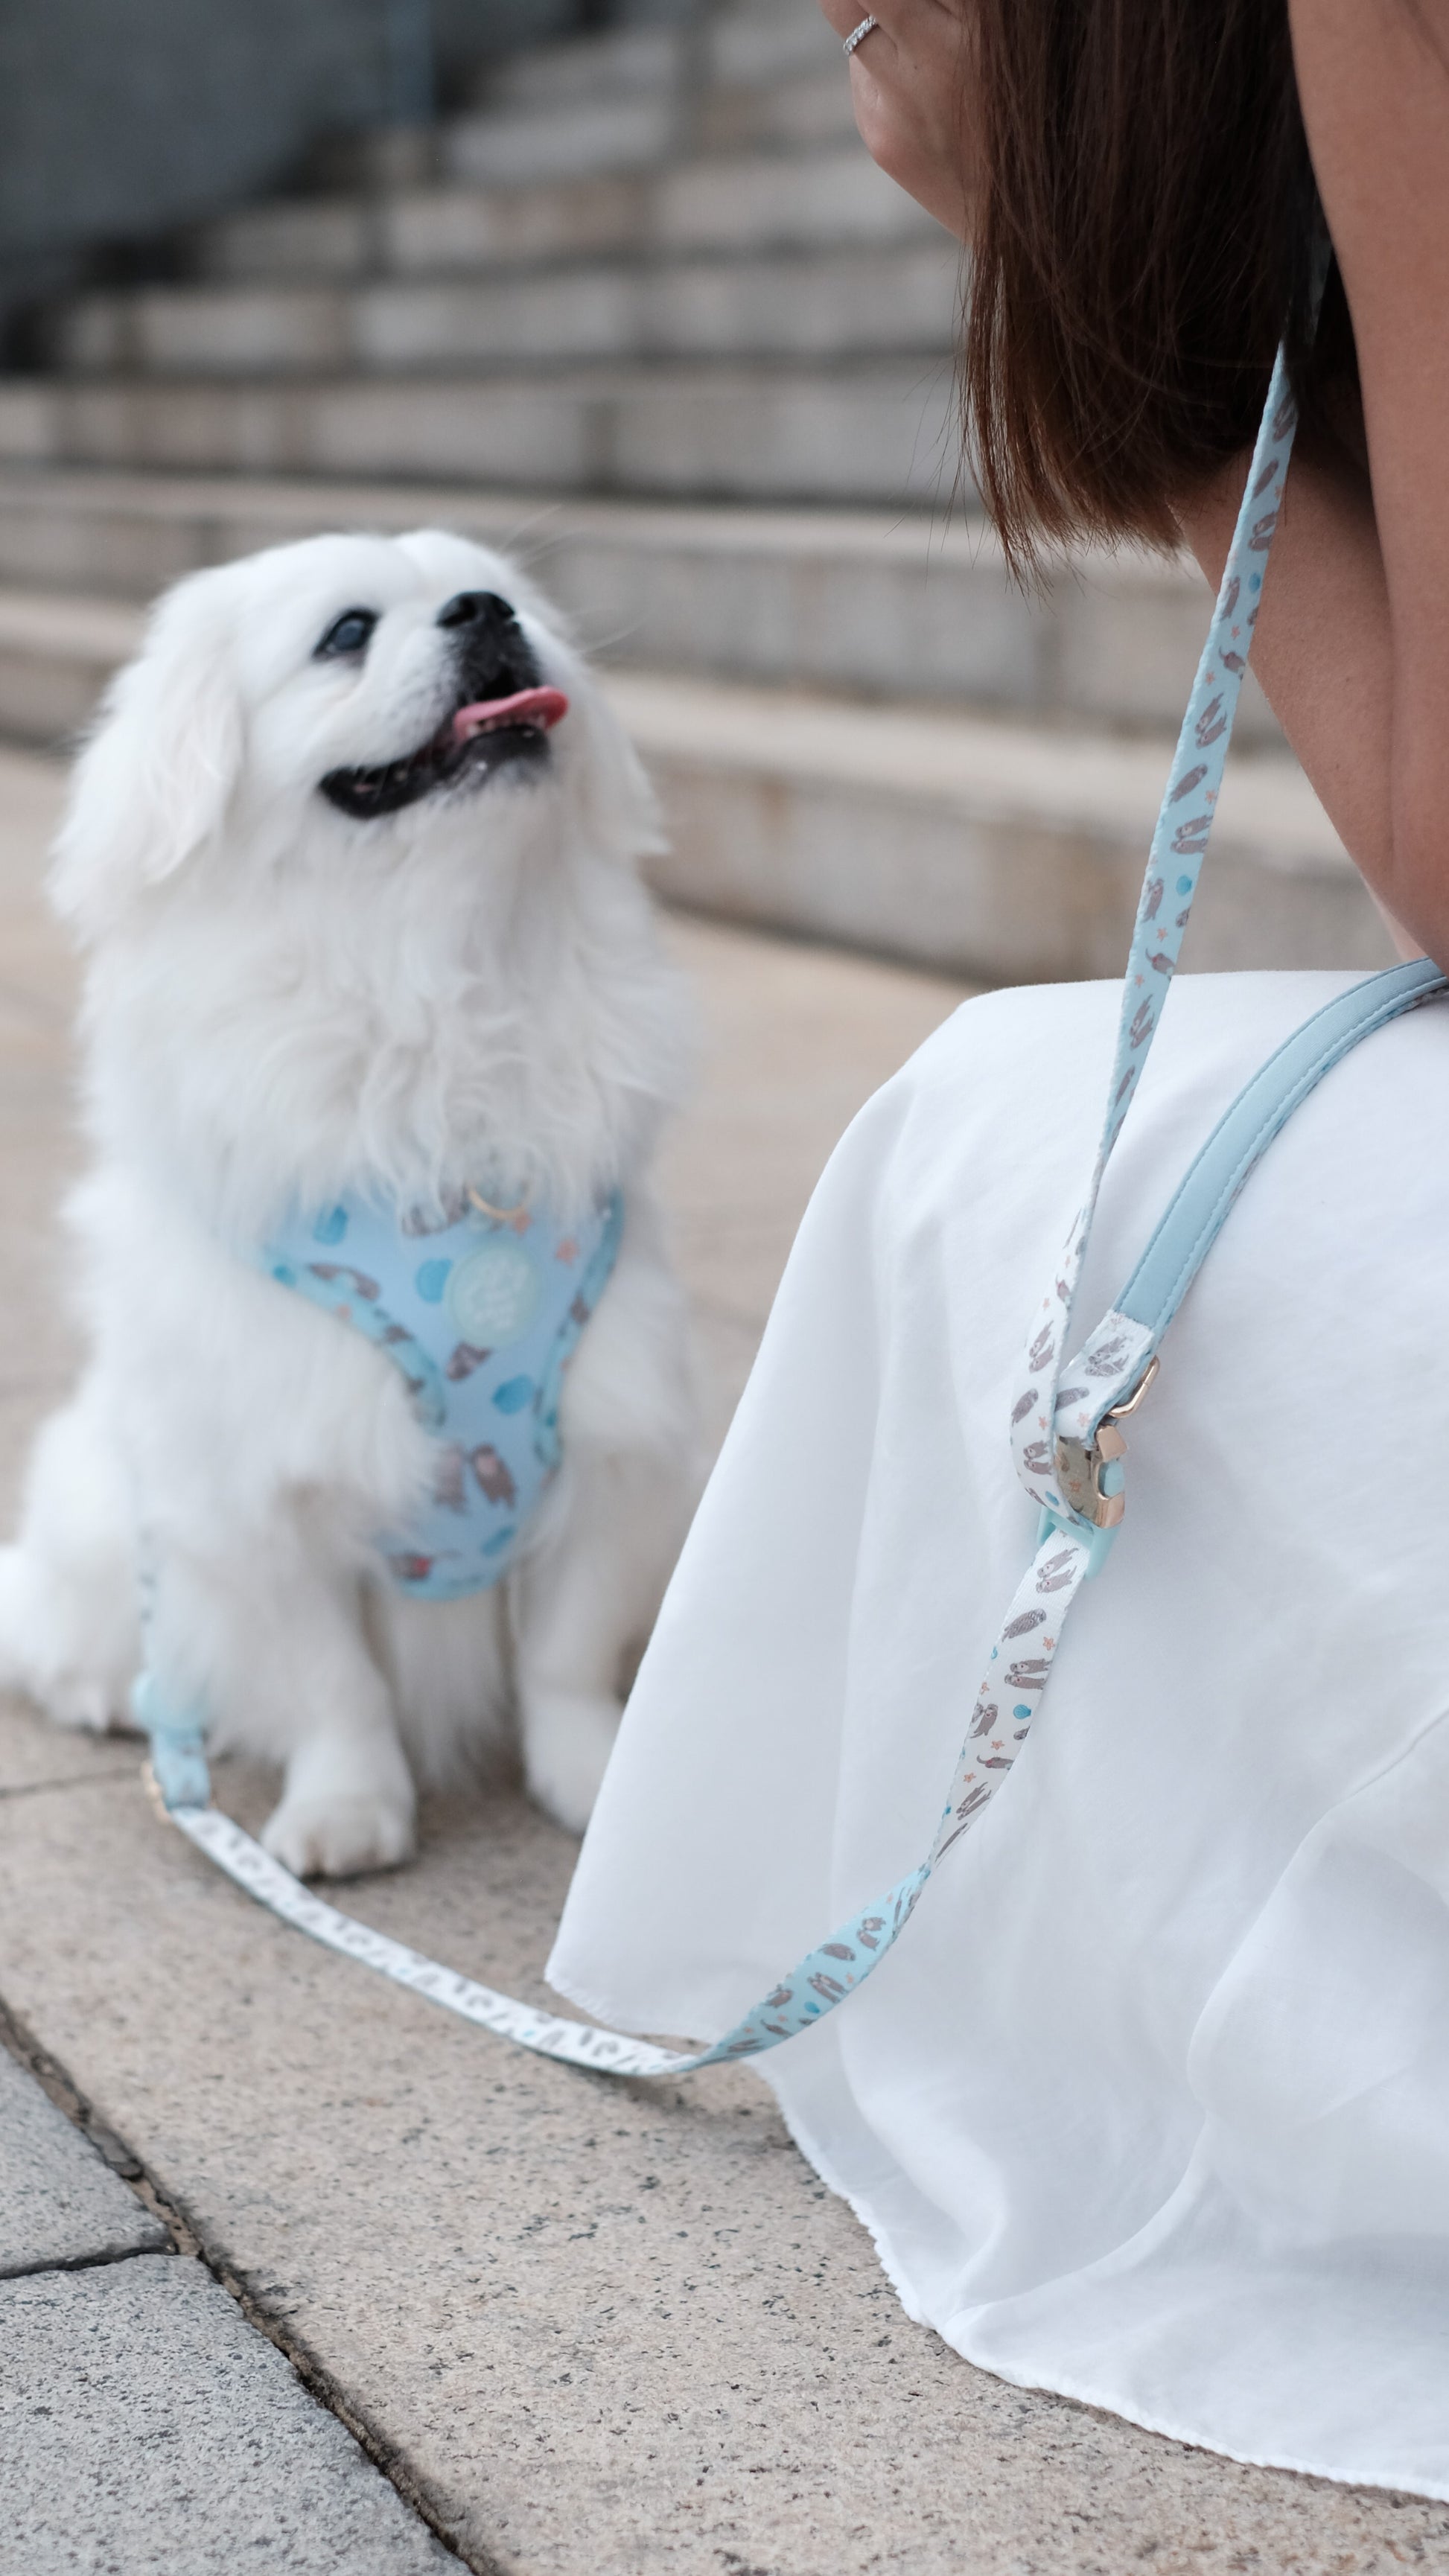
(477, 608)
(491, 653)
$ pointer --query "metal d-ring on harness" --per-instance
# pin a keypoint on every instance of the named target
(1066, 1420)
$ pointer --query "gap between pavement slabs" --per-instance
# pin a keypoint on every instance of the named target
(145, 2425)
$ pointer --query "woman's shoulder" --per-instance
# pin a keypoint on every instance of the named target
(1010, 1092)
(1011, 1036)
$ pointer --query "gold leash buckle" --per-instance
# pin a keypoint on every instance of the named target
(1083, 1465)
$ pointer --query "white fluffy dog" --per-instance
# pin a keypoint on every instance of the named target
(351, 928)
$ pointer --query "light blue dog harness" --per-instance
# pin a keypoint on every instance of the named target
(1072, 1394)
(480, 1313)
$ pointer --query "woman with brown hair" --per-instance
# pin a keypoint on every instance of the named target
(1136, 182)
(1150, 2101)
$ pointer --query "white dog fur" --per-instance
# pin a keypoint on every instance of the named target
(284, 1003)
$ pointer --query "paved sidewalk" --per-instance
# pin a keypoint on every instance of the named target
(590, 2330)
(144, 2424)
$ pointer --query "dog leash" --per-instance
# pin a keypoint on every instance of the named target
(1067, 1440)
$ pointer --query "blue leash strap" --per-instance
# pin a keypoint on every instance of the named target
(1201, 1203)
(1114, 1365)
(1068, 1446)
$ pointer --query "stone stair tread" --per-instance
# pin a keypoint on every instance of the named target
(996, 770)
(810, 110)
(902, 536)
(736, 49)
(603, 375)
(629, 59)
(790, 305)
(103, 631)
(723, 201)
(906, 604)
(535, 272)
(768, 41)
(581, 136)
(869, 430)
(992, 848)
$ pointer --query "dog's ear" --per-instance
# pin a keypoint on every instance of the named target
(152, 785)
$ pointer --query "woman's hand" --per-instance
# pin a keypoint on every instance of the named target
(911, 81)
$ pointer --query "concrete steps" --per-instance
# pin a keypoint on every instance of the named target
(799, 306)
(814, 109)
(896, 606)
(738, 204)
(56, 656)
(631, 63)
(1007, 851)
(744, 76)
(880, 432)
(642, 315)
(582, 136)
(645, 315)
(622, 101)
(540, 127)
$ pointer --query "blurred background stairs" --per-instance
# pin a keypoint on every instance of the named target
(642, 310)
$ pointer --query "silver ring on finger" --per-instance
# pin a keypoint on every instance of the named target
(857, 35)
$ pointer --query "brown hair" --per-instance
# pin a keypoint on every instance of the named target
(1145, 225)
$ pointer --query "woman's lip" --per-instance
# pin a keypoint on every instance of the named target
(542, 708)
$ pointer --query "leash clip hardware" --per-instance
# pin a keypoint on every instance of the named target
(1090, 1471)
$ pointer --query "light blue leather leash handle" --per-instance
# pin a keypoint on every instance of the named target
(1069, 1448)
(1190, 1225)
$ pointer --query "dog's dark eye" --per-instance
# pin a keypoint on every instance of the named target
(349, 633)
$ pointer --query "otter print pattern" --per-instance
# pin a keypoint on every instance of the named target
(1111, 1364)
(480, 1314)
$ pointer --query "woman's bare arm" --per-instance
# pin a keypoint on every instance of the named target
(1352, 641)
(1373, 77)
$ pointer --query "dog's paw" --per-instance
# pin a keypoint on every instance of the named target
(316, 1834)
(48, 1653)
(94, 1707)
(567, 1741)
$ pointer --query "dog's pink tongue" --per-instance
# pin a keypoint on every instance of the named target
(542, 708)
